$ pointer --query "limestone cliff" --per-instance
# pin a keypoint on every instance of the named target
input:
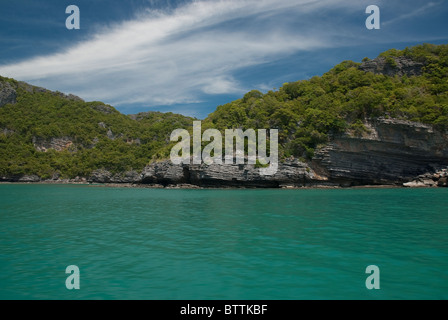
(7, 94)
(289, 173)
(392, 152)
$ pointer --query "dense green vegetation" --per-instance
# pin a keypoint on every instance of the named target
(307, 113)
(102, 137)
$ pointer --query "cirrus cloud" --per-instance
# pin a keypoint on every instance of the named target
(176, 56)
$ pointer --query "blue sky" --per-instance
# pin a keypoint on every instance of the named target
(189, 56)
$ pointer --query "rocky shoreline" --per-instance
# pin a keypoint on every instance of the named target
(438, 179)
(391, 152)
(171, 177)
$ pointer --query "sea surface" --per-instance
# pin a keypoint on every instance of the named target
(222, 244)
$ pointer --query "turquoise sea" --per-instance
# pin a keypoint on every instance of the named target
(222, 244)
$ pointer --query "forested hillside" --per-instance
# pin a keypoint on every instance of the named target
(47, 133)
(308, 112)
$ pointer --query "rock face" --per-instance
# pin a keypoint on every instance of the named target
(163, 173)
(100, 176)
(103, 108)
(395, 151)
(29, 178)
(7, 94)
(392, 153)
(127, 177)
(104, 176)
(290, 173)
(393, 66)
(58, 144)
(21, 178)
(438, 179)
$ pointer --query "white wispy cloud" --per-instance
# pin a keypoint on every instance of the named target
(180, 55)
(414, 13)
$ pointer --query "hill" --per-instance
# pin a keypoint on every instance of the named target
(410, 84)
(50, 134)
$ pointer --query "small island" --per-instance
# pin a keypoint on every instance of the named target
(379, 122)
